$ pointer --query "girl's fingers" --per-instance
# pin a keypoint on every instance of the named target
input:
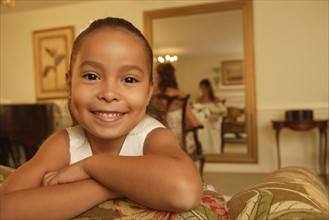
(48, 180)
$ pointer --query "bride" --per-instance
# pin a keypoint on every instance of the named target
(209, 110)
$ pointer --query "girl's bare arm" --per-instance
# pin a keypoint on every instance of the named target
(165, 178)
(23, 196)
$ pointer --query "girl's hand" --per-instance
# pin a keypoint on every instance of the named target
(72, 173)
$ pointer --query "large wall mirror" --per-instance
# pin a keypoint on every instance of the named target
(213, 41)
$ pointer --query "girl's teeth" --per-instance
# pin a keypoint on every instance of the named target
(109, 115)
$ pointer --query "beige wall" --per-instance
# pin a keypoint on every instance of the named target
(291, 64)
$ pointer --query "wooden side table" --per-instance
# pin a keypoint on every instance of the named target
(322, 125)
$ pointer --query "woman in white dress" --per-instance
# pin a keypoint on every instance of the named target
(209, 110)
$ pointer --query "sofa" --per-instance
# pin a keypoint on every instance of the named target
(287, 193)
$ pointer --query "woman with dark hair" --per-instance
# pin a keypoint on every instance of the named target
(210, 110)
(167, 85)
(207, 92)
(167, 78)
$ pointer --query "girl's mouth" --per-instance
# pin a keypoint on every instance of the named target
(111, 115)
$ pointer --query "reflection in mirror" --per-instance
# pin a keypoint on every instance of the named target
(214, 42)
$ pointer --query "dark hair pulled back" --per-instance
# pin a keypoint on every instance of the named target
(166, 77)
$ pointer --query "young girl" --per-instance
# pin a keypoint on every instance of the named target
(116, 149)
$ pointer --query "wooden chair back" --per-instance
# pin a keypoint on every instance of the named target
(167, 104)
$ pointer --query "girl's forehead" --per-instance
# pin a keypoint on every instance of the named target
(114, 41)
(112, 38)
(108, 33)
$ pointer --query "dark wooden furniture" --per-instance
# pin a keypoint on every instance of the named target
(231, 125)
(26, 125)
(167, 104)
(305, 125)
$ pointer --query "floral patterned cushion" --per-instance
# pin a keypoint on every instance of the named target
(212, 206)
(288, 193)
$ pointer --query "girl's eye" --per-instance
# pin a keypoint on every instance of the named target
(90, 76)
(130, 80)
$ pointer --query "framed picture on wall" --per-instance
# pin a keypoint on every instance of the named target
(52, 49)
(232, 72)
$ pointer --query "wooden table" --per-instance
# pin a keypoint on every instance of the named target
(322, 125)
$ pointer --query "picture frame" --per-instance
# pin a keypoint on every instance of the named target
(232, 72)
(52, 49)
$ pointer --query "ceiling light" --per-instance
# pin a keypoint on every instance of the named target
(167, 58)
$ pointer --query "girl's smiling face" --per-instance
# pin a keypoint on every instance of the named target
(110, 85)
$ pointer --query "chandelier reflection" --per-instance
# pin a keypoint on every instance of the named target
(167, 58)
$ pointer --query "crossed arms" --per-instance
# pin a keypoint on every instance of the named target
(48, 187)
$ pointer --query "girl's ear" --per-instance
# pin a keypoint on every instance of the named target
(151, 89)
(68, 84)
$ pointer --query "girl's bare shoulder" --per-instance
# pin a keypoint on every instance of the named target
(161, 141)
(52, 155)
(56, 144)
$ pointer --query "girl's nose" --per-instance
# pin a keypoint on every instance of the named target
(109, 92)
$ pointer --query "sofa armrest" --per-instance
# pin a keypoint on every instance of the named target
(287, 193)
(212, 206)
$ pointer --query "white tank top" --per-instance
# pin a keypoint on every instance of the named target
(132, 146)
